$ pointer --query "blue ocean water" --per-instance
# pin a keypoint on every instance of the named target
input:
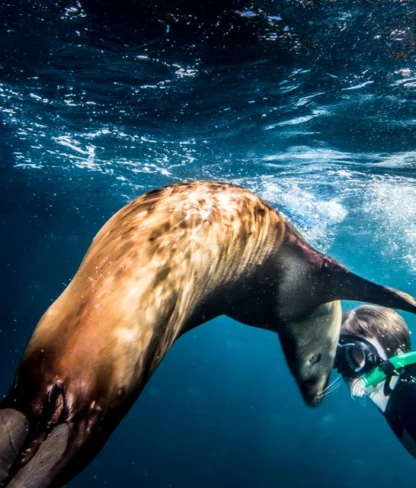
(312, 105)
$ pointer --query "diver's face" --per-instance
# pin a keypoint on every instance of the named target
(310, 346)
(354, 385)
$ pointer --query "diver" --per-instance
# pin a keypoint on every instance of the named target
(375, 360)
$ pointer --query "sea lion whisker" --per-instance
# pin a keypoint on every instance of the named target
(332, 391)
(333, 384)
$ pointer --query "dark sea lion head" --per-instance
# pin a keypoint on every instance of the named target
(309, 344)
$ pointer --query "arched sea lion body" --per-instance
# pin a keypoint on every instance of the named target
(168, 261)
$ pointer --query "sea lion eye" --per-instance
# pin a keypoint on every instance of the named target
(315, 358)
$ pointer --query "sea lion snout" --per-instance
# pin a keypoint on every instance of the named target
(312, 381)
(313, 390)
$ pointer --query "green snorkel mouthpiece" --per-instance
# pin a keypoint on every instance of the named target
(378, 375)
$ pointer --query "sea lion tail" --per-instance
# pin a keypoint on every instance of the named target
(342, 284)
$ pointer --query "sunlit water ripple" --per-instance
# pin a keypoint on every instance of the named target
(320, 140)
(317, 144)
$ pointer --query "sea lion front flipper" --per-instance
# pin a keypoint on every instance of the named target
(42, 468)
(13, 431)
(342, 284)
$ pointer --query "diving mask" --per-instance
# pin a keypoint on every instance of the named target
(359, 359)
(356, 356)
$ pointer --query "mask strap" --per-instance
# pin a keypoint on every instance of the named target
(389, 370)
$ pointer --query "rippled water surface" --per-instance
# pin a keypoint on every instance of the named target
(311, 104)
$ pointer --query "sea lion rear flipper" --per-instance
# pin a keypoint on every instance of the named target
(40, 470)
(13, 431)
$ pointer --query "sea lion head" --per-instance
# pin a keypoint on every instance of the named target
(309, 344)
(309, 311)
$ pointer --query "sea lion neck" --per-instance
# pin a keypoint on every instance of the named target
(301, 280)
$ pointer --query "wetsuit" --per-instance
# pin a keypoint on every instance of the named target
(400, 412)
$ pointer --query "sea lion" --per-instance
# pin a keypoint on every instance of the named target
(168, 261)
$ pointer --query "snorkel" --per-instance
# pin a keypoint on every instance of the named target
(370, 381)
(366, 366)
(380, 373)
